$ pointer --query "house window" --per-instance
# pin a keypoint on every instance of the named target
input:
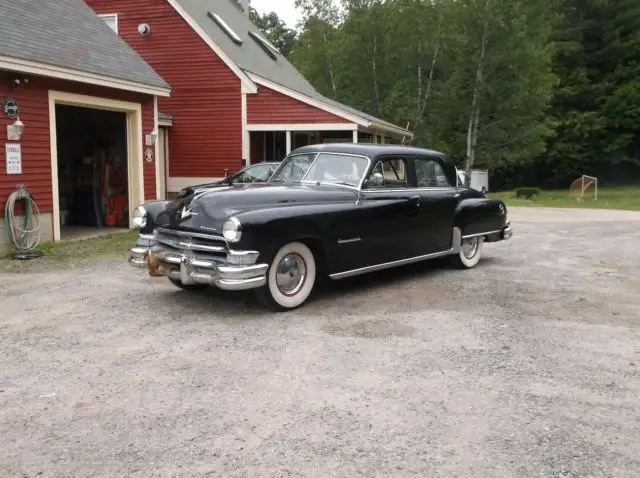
(111, 20)
(227, 29)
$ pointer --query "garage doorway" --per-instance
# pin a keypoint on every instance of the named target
(96, 164)
(92, 170)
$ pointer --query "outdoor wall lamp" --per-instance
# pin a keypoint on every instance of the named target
(15, 130)
(151, 138)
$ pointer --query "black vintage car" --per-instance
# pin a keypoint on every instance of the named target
(335, 210)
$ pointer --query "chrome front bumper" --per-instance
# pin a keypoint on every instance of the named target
(239, 272)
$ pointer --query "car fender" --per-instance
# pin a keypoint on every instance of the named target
(153, 208)
(480, 215)
(267, 229)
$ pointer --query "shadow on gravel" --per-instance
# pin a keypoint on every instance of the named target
(206, 302)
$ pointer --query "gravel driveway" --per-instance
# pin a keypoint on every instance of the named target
(528, 365)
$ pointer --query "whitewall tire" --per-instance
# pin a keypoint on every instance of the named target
(470, 252)
(290, 278)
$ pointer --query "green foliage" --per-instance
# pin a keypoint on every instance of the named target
(556, 82)
(527, 192)
(275, 30)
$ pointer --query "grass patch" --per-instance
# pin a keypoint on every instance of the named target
(65, 254)
(623, 198)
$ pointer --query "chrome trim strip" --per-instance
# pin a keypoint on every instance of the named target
(470, 236)
(233, 252)
(389, 265)
(400, 190)
(177, 232)
(455, 249)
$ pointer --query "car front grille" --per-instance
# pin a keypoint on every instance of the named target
(206, 245)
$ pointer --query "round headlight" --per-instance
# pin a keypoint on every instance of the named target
(139, 216)
(231, 230)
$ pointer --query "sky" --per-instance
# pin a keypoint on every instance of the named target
(284, 9)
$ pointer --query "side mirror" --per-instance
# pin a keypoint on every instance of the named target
(376, 179)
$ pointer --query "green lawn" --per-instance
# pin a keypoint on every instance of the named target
(626, 198)
(71, 253)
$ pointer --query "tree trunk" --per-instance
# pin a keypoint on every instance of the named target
(434, 59)
(474, 113)
(331, 74)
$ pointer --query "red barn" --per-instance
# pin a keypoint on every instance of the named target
(235, 99)
(78, 109)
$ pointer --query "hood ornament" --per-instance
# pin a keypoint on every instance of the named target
(187, 213)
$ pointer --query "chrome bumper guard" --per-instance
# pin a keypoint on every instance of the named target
(238, 272)
(139, 254)
(507, 232)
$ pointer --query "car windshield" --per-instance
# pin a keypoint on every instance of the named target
(254, 174)
(326, 168)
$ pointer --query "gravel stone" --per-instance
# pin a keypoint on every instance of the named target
(527, 365)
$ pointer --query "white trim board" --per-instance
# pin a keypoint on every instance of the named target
(61, 73)
(249, 86)
(156, 149)
(175, 184)
(135, 166)
(246, 139)
(304, 127)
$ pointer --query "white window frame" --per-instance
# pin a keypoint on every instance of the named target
(113, 16)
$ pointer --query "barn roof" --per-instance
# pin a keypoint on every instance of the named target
(67, 34)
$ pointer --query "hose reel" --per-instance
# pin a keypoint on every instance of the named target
(23, 237)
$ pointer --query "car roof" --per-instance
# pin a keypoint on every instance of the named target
(366, 149)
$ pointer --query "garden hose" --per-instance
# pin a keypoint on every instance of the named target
(25, 237)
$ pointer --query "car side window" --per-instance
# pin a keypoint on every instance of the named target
(430, 174)
(388, 173)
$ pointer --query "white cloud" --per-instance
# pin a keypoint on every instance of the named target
(284, 8)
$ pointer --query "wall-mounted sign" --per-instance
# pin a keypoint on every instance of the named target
(13, 155)
(10, 108)
(148, 155)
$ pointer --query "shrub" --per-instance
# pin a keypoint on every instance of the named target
(527, 192)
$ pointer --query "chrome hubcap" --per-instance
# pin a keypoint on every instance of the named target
(470, 247)
(291, 274)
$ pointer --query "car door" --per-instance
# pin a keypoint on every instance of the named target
(391, 209)
(438, 201)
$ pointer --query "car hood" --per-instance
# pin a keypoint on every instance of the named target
(208, 210)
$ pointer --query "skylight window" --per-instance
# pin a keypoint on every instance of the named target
(227, 29)
(265, 44)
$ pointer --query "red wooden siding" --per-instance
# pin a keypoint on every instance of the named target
(33, 101)
(205, 102)
(271, 107)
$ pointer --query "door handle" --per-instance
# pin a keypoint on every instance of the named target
(415, 201)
